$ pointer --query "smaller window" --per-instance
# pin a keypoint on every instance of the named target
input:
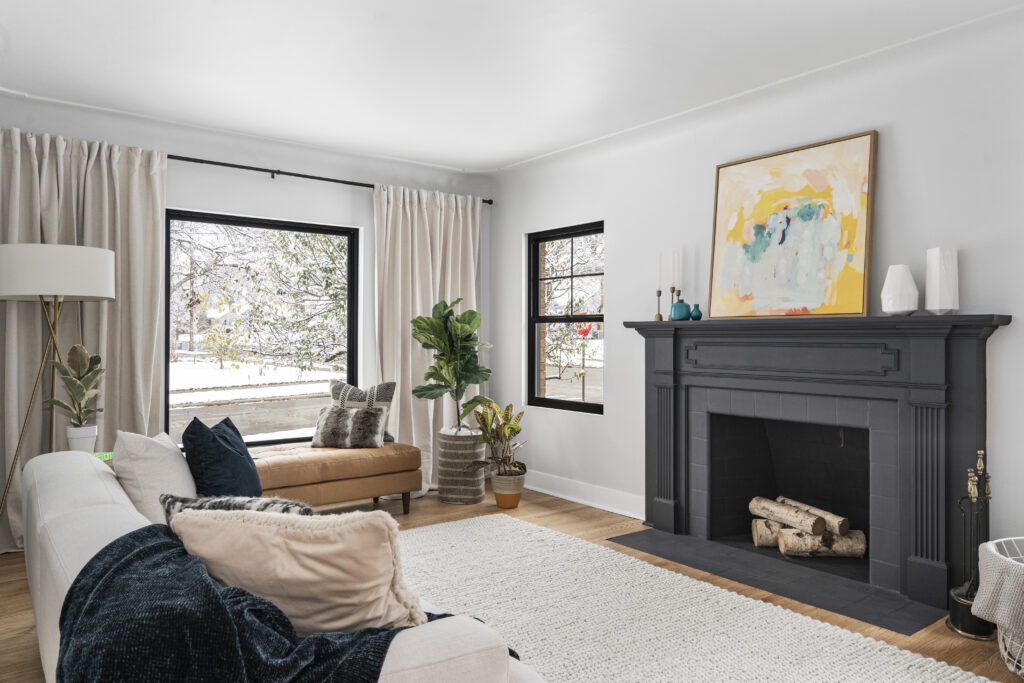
(566, 318)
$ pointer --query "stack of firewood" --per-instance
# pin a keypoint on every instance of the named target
(801, 530)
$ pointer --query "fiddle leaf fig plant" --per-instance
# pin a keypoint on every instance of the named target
(80, 374)
(454, 341)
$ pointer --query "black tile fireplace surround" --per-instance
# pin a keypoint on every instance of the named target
(916, 385)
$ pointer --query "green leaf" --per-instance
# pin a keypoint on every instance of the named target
(74, 388)
(434, 373)
(92, 378)
(60, 368)
(431, 391)
(430, 333)
(59, 404)
(78, 360)
(472, 404)
(476, 375)
(470, 320)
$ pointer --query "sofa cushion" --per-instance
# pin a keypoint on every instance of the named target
(148, 467)
(350, 396)
(340, 427)
(172, 505)
(219, 460)
(298, 464)
(326, 573)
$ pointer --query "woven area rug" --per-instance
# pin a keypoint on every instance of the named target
(576, 611)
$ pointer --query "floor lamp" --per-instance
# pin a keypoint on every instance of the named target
(51, 274)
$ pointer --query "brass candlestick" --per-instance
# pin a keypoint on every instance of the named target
(657, 316)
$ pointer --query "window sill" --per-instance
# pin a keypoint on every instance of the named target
(574, 406)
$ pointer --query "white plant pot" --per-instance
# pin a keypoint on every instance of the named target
(942, 281)
(83, 438)
(899, 293)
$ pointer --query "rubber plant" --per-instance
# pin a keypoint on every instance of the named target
(499, 429)
(456, 367)
(80, 375)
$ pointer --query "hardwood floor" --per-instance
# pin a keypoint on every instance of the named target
(19, 653)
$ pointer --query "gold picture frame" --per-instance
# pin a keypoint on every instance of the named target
(818, 197)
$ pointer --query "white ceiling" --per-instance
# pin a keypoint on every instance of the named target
(470, 84)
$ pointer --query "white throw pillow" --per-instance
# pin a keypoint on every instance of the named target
(325, 572)
(150, 466)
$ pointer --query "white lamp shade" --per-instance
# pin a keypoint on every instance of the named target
(30, 271)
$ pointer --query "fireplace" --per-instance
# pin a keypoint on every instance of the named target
(878, 416)
(822, 465)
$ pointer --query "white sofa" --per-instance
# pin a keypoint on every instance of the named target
(74, 506)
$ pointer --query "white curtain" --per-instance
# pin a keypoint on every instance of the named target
(55, 190)
(427, 249)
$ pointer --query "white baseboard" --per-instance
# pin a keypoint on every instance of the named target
(601, 497)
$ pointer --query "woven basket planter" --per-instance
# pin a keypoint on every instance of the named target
(454, 483)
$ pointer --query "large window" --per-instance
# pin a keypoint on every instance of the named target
(566, 325)
(260, 316)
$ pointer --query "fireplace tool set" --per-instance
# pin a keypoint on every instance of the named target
(974, 513)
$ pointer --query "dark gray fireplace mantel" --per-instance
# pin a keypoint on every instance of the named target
(916, 383)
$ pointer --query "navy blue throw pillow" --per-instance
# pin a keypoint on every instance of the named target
(219, 461)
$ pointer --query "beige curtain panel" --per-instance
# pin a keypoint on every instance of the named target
(427, 249)
(56, 190)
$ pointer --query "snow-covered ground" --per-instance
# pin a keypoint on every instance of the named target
(206, 373)
(184, 398)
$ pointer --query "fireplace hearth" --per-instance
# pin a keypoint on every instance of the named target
(872, 418)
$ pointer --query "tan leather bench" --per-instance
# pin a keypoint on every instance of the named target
(328, 476)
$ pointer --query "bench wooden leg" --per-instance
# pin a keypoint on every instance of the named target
(376, 502)
(405, 503)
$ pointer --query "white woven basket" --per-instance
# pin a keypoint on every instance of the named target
(1011, 644)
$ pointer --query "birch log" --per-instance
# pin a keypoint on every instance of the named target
(787, 515)
(794, 542)
(833, 522)
(765, 533)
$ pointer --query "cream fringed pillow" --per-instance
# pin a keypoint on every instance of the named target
(326, 573)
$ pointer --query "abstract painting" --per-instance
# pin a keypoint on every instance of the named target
(793, 232)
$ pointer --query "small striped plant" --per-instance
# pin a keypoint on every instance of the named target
(499, 428)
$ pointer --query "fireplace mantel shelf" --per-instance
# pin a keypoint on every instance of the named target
(924, 324)
(917, 384)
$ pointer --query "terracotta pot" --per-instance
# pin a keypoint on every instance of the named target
(507, 489)
(454, 483)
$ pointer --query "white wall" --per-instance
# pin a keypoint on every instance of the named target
(233, 191)
(950, 161)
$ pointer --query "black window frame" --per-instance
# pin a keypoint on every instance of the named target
(352, 360)
(535, 319)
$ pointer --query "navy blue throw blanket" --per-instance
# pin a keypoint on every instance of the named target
(143, 609)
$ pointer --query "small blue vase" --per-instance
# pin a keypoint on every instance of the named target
(696, 313)
(680, 311)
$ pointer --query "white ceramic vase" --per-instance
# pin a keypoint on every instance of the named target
(82, 438)
(899, 293)
(942, 281)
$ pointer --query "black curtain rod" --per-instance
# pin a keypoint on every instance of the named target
(275, 172)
